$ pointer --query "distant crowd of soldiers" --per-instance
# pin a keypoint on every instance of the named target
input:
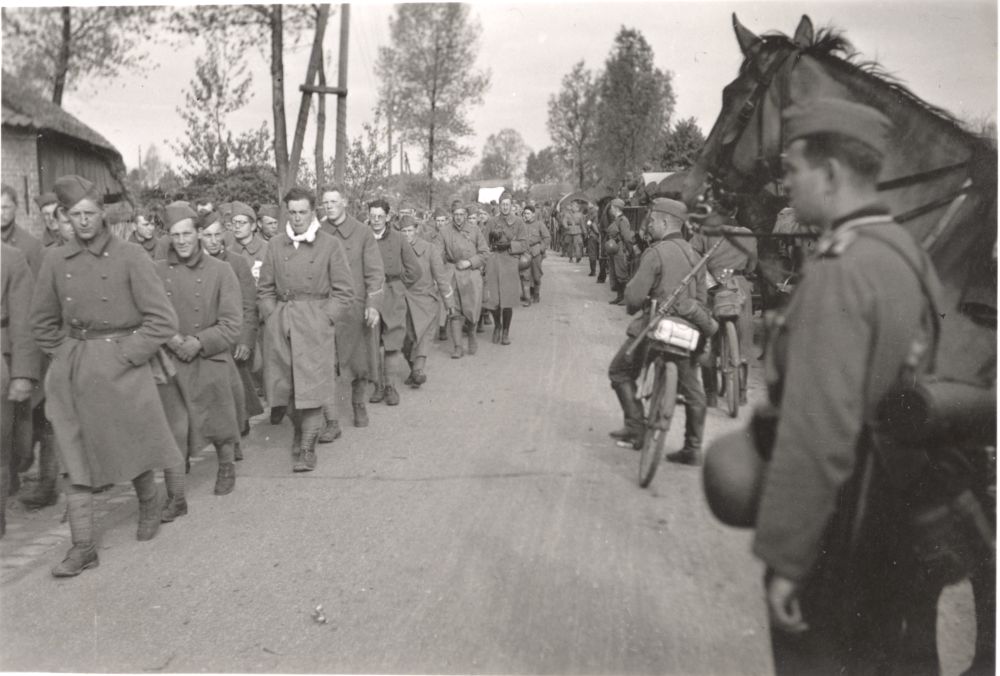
(128, 350)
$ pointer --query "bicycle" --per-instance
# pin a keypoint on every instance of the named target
(672, 339)
(727, 302)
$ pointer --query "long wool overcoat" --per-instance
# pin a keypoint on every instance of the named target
(302, 294)
(368, 277)
(465, 243)
(206, 296)
(401, 270)
(503, 279)
(424, 297)
(100, 394)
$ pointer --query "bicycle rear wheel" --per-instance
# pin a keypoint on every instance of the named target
(658, 416)
(730, 371)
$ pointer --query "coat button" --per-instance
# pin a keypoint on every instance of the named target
(196, 293)
(197, 325)
(68, 299)
(105, 254)
(104, 298)
(198, 280)
(68, 275)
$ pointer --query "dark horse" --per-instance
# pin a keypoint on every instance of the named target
(939, 180)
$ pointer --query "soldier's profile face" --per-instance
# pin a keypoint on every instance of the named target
(528, 215)
(806, 184)
(144, 227)
(269, 225)
(300, 215)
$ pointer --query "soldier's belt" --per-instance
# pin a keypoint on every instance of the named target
(392, 278)
(78, 333)
(286, 296)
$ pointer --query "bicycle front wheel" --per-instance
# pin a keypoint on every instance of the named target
(730, 368)
(661, 410)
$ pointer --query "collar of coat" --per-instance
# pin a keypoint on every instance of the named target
(346, 227)
(9, 233)
(254, 245)
(96, 246)
(193, 261)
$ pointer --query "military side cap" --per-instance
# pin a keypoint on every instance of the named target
(205, 220)
(457, 204)
(618, 202)
(176, 212)
(505, 195)
(241, 209)
(406, 221)
(837, 116)
(71, 189)
(529, 207)
(45, 199)
(439, 212)
(269, 210)
(669, 206)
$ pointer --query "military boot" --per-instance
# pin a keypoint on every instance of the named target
(43, 493)
(150, 514)
(525, 294)
(694, 427)
(358, 402)
(331, 432)
(632, 409)
(225, 478)
(80, 557)
(455, 326)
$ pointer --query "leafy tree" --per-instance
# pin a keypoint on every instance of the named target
(431, 65)
(682, 145)
(367, 167)
(220, 86)
(255, 27)
(503, 155)
(572, 122)
(55, 48)
(636, 100)
(253, 185)
(544, 167)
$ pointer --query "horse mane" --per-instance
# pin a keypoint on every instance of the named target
(831, 46)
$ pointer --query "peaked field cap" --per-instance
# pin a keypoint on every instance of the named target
(268, 210)
(669, 206)
(69, 190)
(176, 212)
(618, 202)
(241, 209)
(837, 116)
(45, 199)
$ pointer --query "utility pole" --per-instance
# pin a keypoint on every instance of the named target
(340, 161)
(320, 129)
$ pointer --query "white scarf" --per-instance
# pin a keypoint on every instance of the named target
(308, 236)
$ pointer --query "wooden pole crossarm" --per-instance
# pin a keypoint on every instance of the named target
(317, 89)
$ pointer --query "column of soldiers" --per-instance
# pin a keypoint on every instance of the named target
(181, 325)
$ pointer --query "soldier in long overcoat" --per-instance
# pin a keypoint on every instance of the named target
(244, 240)
(21, 364)
(538, 244)
(354, 334)
(101, 313)
(423, 298)
(401, 270)
(465, 252)
(206, 296)
(620, 231)
(305, 290)
(508, 239)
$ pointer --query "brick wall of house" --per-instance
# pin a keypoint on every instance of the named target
(18, 167)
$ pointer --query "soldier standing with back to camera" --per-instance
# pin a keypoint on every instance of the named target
(843, 588)
(620, 232)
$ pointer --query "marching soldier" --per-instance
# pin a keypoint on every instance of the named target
(401, 271)
(842, 585)
(465, 252)
(267, 217)
(206, 297)
(305, 290)
(145, 233)
(47, 203)
(21, 364)
(592, 236)
(100, 311)
(423, 298)
(538, 244)
(508, 238)
(354, 333)
(661, 269)
(620, 232)
(246, 241)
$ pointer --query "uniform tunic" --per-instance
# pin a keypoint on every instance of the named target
(846, 334)
(206, 296)
(19, 238)
(100, 394)
(401, 270)
(368, 277)
(303, 292)
(538, 244)
(573, 231)
(621, 231)
(729, 257)
(503, 285)
(423, 297)
(247, 402)
(466, 243)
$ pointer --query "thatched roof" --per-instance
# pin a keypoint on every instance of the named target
(24, 107)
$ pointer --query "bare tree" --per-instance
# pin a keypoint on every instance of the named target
(431, 62)
(56, 48)
(572, 122)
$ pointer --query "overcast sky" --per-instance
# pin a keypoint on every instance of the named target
(946, 51)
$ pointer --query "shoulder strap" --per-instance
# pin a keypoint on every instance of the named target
(692, 284)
